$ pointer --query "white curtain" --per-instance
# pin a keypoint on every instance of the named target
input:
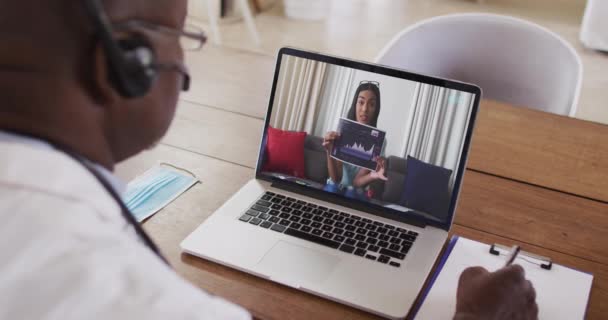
(297, 95)
(335, 99)
(437, 125)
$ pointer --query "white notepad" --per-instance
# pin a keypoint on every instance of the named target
(562, 293)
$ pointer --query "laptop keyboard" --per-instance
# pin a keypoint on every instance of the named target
(342, 231)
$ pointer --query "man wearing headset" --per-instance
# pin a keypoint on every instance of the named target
(85, 84)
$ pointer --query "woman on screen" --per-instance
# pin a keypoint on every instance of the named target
(344, 177)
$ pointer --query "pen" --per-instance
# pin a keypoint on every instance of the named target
(512, 255)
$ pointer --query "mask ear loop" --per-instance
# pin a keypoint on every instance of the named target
(181, 169)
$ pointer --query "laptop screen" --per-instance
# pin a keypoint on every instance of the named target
(368, 135)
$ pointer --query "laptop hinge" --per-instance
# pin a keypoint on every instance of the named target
(352, 204)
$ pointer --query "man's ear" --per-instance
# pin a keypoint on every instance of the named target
(103, 87)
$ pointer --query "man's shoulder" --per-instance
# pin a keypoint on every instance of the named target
(57, 252)
(28, 215)
(51, 173)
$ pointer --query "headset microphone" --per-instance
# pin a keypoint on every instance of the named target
(130, 60)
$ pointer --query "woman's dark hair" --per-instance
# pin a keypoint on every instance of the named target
(353, 108)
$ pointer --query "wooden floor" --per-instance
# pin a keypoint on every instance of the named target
(556, 205)
(360, 28)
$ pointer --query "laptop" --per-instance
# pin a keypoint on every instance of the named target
(356, 184)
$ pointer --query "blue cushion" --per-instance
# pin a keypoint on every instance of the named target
(426, 188)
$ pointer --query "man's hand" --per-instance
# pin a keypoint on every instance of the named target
(501, 295)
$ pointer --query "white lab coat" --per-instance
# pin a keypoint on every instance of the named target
(66, 252)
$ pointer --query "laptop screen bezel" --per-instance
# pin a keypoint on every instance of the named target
(388, 213)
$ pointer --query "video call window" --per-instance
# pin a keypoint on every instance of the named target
(392, 142)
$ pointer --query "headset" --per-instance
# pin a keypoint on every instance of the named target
(131, 60)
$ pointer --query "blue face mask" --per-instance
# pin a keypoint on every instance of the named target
(155, 189)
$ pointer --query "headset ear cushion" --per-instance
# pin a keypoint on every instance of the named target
(139, 59)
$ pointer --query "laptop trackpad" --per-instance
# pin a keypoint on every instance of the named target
(294, 265)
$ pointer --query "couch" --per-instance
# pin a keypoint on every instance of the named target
(425, 195)
(315, 161)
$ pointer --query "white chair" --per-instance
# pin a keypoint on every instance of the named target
(213, 12)
(512, 60)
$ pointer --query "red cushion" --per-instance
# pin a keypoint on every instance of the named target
(285, 152)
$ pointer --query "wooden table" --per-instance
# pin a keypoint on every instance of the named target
(533, 178)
